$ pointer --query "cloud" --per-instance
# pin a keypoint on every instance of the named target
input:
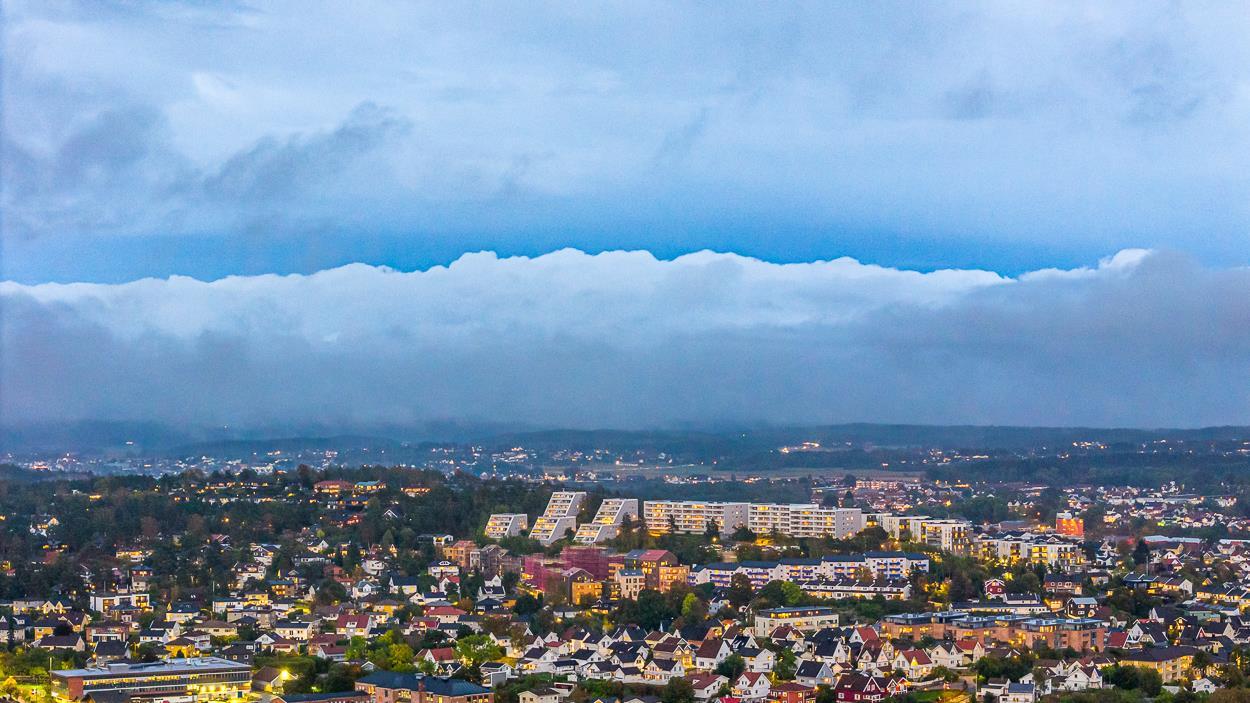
(1051, 133)
(120, 172)
(624, 339)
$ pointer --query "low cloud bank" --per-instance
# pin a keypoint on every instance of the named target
(623, 339)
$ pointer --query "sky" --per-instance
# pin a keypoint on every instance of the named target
(625, 214)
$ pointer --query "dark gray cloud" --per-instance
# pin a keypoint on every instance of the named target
(120, 172)
(626, 340)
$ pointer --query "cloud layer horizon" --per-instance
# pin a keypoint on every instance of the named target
(624, 339)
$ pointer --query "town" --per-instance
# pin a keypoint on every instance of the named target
(624, 352)
(377, 585)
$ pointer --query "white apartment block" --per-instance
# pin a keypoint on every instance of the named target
(693, 516)
(880, 566)
(502, 525)
(805, 520)
(559, 517)
(607, 523)
(1026, 547)
(947, 534)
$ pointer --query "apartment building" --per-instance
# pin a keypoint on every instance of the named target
(895, 565)
(502, 525)
(1069, 525)
(1013, 548)
(839, 589)
(946, 534)
(607, 522)
(650, 562)
(804, 520)
(877, 566)
(1173, 663)
(1081, 634)
(693, 516)
(803, 619)
(559, 517)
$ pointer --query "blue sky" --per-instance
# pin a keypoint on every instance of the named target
(214, 138)
(1000, 212)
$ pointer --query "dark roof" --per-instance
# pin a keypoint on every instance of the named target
(111, 648)
(317, 697)
(1160, 654)
(433, 684)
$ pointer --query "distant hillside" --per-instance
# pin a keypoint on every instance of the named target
(858, 434)
(155, 439)
(243, 448)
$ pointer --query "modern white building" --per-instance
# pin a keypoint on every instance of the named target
(804, 520)
(559, 517)
(502, 525)
(944, 533)
(607, 523)
(693, 516)
(1011, 548)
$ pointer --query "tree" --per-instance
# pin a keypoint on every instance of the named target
(732, 667)
(792, 593)
(678, 690)
(693, 609)
(961, 587)
(1129, 678)
(1141, 553)
(1229, 695)
(740, 590)
(785, 667)
(478, 649)
(527, 604)
(1151, 682)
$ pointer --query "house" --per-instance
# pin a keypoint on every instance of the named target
(268, 680)
(353, 625)
(946, 654)
(297, 630)
(710, 654)
(110, 651)
(539, 695)
(858, 687)
(1019, 693)
(1081, 607)
(1204, 685)
(662, 671)
(914, 663)
(444, 659)
(495, 674)
(758, 660)
(707, 686)
(72, 643)
(812, 672)
(1074, 677)
(332, 652)
(751, 686)
(791, 692)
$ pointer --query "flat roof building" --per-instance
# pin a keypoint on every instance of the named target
(191, 680)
